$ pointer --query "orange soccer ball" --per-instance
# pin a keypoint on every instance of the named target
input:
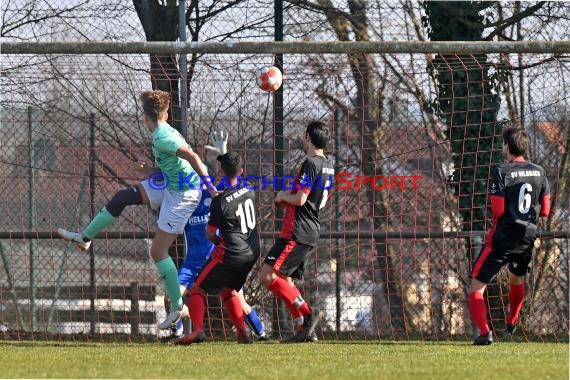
(269, 78)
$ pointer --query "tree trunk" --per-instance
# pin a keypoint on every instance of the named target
(467, 101)
(160, 23)
(366, 121)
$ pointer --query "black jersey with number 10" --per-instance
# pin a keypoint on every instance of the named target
(233, 213)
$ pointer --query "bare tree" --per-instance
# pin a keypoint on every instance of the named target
(367, 120)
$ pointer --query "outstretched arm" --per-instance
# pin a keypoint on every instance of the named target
(297, 199)
(197, 164)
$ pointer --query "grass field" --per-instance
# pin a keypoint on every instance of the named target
(324, 360)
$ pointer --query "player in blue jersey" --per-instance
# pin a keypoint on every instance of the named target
(198, 251)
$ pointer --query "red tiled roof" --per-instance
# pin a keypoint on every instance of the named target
(553, 134)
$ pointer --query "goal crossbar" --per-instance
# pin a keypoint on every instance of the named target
(297, 47)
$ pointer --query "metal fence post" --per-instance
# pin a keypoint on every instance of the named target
(183, 85)
(92, 175)
(31, 219)
(338, 256)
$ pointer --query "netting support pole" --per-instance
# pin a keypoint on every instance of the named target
(476, 245)
(32, 219)
(70, 247)
(278, 97)
(134, 314)
(338, 256)
(92, 168)
(278, 142)
(10, 283)
(183, 86)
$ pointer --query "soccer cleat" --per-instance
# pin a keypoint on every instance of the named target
(173, 317)
(263, 337)
(511, 328)
(484, 340)
(74, 237)
(177, 331)
(305, 334)
(170, 338)
(244, 337)
(197, 336)
(312, 337)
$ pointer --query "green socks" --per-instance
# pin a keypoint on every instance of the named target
(169, 275)
(101, 220)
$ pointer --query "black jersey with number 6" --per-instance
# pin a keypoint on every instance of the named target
(523, 185)
(301, 223)
(233, 213)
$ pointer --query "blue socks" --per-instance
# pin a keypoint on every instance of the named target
(178, 330)
(254, 322)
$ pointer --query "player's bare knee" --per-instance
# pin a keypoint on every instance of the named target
(196, 291)
(226, 294)
(514, 279)
(261, 276)
(157, 254)
(477, 286)
(266, 275)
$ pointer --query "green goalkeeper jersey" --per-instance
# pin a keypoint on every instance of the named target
(165, 143)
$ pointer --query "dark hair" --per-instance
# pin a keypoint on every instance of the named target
(517, 140)
(154, 103)
(318, 134)
(231, 163)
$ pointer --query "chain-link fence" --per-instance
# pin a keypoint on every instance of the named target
(394, 258)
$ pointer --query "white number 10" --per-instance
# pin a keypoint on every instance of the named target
(247, 217)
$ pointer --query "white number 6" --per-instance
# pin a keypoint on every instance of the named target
(524, 198)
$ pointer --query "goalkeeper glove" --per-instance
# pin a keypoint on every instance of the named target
(219, 142)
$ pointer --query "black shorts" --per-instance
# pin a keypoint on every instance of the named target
(288, 257)
(217, 274)
(491, 260)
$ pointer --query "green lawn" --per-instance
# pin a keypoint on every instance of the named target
(330, 360)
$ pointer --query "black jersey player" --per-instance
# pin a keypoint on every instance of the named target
(300, 231)
(237, 250)
(519, 194)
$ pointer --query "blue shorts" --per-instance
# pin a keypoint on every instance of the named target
(187, 276)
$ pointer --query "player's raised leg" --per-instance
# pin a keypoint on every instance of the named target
(106, 216)
(304, 316)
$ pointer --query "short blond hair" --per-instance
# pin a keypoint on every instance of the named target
(154, 103)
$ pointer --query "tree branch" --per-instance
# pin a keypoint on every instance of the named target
(503, 24)
(556, 57)
(34, 19)
(323, 8)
